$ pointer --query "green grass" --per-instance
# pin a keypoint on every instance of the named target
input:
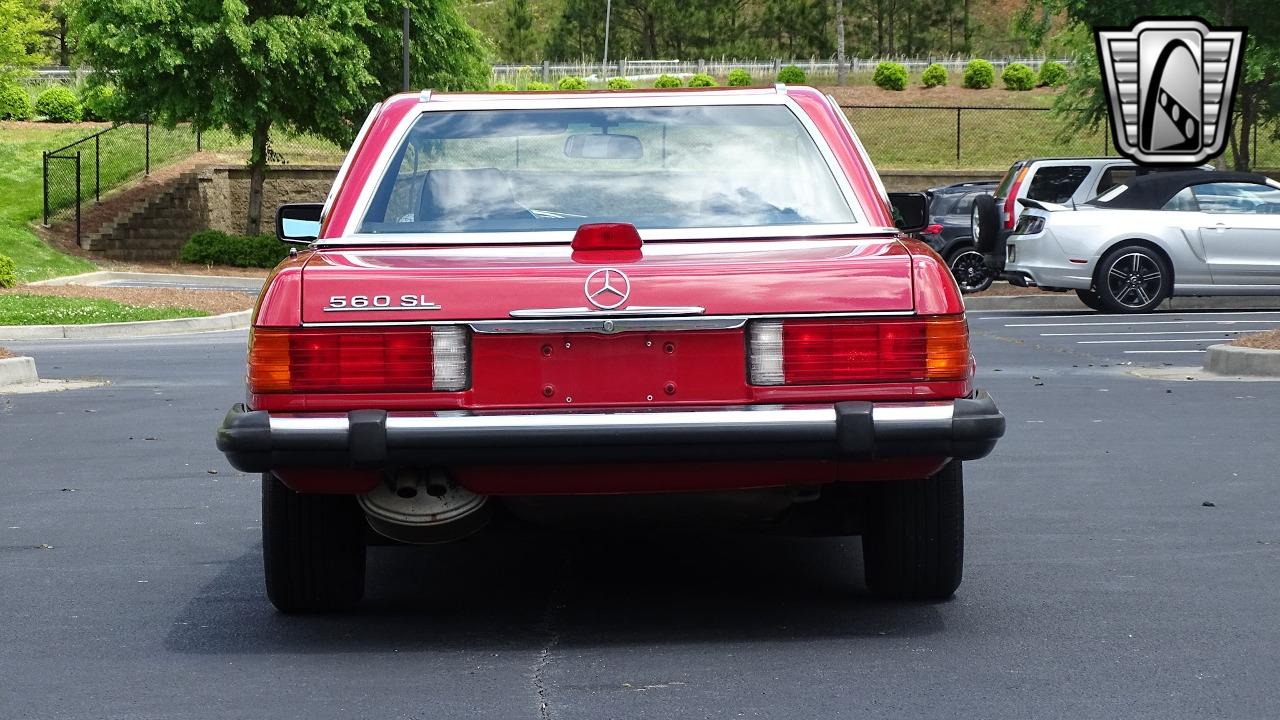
(21, 198)
(55, 310)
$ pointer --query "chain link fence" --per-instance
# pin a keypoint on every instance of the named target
(80, 173)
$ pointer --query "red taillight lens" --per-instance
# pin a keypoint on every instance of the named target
(606, 236)
(934, 229)
(820, 352)
(1011, 202)
(358, 360)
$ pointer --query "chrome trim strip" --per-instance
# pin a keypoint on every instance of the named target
(912, 414)
(648, 235)
(582, 312)
(370, 308)
(689, 323)
(726, 419)
(607, 327)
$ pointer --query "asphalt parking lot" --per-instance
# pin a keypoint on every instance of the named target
(1123, 551)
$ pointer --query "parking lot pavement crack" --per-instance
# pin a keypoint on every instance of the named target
(548, 628)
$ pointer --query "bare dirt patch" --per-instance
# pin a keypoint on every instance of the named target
(1269, 340)
(214, 302)
(948, 96)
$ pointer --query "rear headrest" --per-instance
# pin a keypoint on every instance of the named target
(461, 195)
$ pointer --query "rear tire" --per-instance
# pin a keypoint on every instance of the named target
(313, 549)
(970, 270)
(913, 546)
(1091, 299)
(984, 223)
(1132, 279)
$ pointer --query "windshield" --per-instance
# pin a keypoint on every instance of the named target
(678, 167)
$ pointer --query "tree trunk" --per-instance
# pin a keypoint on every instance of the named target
(840, 68)
(257, 174)
(968, 32)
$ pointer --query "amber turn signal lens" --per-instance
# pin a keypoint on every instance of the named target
(269, 361)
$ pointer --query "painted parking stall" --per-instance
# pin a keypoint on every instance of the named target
(1179, 338)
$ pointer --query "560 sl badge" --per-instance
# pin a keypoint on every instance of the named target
(364, 303)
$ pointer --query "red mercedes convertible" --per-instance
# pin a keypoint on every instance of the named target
(666, 306)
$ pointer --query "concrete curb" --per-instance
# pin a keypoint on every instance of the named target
(142, 328)
(18, 371)
(1236, 360)
(231, 282)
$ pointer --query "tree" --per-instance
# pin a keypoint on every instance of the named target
(1258, 97)
(300, 66)
(21, 25)
(840, 68)
(518, 41)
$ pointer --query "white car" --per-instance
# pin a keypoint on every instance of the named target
(1153, 236)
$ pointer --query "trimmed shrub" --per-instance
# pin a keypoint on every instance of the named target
(620, 83)
(14, 103)
(979, 75)
(572, 83)
(1017, 76)
(890, 76)
(702, 80)
(58, 104)
(934, 76)
(791, 75)
(213, 247)
(502, 87)
(100, 102)
(538, 85)
(8, 276)
(1052, 74)
(667, 81)
(739, 78)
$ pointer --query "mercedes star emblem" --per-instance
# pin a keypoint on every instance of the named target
(607, 288)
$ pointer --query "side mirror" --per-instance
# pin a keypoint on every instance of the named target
(911, 211)
(298, 222)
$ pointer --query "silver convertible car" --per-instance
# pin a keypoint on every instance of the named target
(1173, 233)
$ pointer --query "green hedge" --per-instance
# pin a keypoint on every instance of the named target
(14, 103)
(1052, 74)
(620, 83)
(502, 87)
(8, 272)
(890, 76)
(667, 81)
(100, 102)
(979, 75)
(572, 83)
(702, 80)
(59, 104)
(538, 85)
(739, 78)
(791, 75)
(934, 76)
(1017, 76)
(213, 247)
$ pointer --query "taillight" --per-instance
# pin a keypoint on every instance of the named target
(1011, 201)
(934, 229)
(821, 352)
(358, 360)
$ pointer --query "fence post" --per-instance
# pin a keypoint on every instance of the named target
(199, 138)
(46, 188)
(147, 126)
(97, 168)
(957, 137)
(546, 71)
(77, 197)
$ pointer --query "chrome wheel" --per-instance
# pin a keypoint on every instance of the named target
(1135, 280)
(971, 271)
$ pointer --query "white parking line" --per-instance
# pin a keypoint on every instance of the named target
(1135, 342)
(1160, 352)
(1156, 322)
(1030, 314)
(1153, 332)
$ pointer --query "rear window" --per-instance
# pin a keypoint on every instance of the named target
(1056, 184)
(1002, 190)
(532, 170)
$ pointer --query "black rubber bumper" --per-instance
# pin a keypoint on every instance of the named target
(965, 429)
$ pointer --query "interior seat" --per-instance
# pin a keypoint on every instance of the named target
(460, 196)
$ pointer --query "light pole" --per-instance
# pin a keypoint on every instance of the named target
(604, 65)
(404, 47)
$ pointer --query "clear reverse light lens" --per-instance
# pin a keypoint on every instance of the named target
(765, 351)
(449, 358)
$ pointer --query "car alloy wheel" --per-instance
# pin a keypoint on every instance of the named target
(1133, 280)
(971, 271)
